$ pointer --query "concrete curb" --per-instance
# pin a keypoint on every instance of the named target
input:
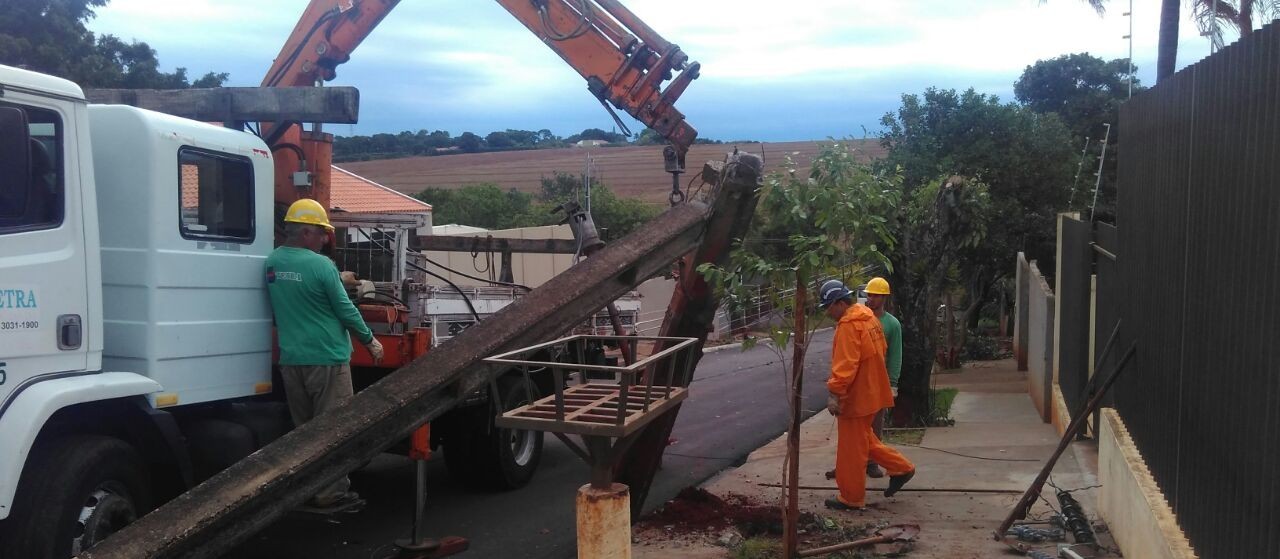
(734, 345)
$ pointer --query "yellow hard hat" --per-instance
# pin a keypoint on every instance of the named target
(877, 286)
(308, 211)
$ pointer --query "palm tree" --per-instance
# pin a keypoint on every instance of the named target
(1239, 14)
(1167, 51)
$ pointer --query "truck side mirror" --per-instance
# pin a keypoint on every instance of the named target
(15, 161)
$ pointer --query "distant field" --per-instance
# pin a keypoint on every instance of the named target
(632, 172)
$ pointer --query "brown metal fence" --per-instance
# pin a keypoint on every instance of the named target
(1199, 269)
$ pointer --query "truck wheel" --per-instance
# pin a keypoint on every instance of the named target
(487, 457)
(75, 491)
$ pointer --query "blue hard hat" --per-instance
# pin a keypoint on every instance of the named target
(832, 291)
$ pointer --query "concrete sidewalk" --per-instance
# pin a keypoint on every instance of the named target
(996, 425)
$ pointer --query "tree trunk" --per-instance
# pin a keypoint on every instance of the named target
(1167, 59)
(790, 537)
(1244, 18)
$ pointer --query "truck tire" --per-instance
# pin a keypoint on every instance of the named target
(489, 458)
(75, 491)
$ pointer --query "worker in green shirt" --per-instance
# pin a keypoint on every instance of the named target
(313, 316)
(877, 295)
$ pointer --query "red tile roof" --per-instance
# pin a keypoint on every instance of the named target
(190, 186)
(357, 195)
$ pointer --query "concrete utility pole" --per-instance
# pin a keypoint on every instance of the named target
(212, 518)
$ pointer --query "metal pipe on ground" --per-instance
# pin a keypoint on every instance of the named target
(213, 517)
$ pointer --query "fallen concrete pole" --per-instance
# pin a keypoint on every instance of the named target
(692, 310)
(213, 517)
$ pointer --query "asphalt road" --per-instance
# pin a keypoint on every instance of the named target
(736, 404)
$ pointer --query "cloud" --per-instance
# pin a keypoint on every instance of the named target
(806, 69)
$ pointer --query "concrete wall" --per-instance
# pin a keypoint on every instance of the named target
(655, 295)
(1136, 512)
(1022, 291)
(1040, 327)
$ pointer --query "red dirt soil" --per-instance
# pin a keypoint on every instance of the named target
(696, 510)
(631, 172)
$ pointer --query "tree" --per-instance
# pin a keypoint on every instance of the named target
(650, 137)
(499, 140)
(597, 134)
(837, 216)
(50, 36)
(1016, 162)
(470, 143)
(615, 217)
(486, 206)
(1237, 14)
(1083, 90)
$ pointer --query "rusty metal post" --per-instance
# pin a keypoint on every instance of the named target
(790, 539)
(604, 522)
(212, 518)
(691, 313)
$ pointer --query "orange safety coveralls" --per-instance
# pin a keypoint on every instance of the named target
(859, 378)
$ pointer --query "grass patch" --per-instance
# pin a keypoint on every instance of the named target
(942, 399)
(758, 548)
(903, 436)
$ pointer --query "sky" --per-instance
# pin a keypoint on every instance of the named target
(771, 70)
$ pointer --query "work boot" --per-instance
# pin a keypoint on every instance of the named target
(874, 470)
(896, 482)
(836, 504)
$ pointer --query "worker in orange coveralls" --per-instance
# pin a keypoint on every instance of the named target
(859, 388)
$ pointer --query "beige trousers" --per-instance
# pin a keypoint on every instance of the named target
(312, 390)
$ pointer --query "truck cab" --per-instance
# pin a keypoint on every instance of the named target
(131, 250)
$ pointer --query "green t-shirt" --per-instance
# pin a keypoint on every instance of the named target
(312, 310)
(893, 337)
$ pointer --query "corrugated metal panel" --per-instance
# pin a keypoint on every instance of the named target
(1199, 263)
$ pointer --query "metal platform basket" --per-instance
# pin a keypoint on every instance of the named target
(602, 400)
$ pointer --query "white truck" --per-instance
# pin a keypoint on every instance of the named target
(135, 330)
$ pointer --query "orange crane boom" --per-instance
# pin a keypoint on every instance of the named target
(624, 61)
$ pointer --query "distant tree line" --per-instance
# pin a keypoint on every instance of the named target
(491, 207)
(51, 37)
(441, 142)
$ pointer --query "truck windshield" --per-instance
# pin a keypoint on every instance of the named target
(35, 201)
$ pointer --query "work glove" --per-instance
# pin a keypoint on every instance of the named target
(375, 349)
(894, 390)
(833, 404)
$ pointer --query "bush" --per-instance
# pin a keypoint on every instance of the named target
(980, 347)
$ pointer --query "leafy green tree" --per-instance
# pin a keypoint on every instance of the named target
(597, 134)
(499, 140)
(470, 143)
(649, 137)
(50, 36)
(1213, 17)
(1083, 90)
(1024, 163)
(486, 206)
(615, 217)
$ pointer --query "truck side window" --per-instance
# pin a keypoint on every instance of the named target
(36, 201)
(216, 196)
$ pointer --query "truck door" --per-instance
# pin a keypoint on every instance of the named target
(43, 291)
